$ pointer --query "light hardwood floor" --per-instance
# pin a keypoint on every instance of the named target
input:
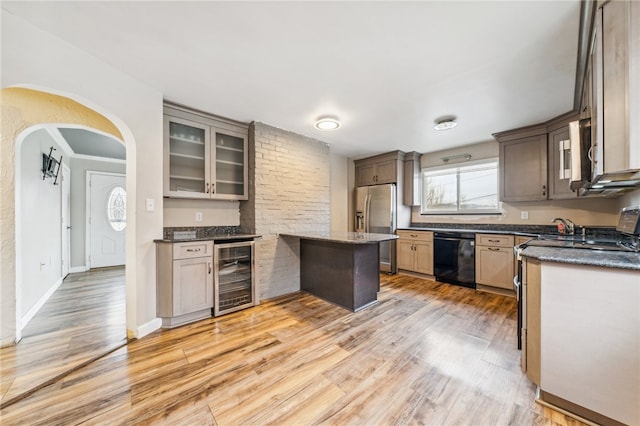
(82, 320)
(427, 353)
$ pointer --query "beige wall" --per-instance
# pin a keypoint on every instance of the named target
(182, 212)
(587, 211)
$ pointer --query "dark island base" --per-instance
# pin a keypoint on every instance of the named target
(344, 274)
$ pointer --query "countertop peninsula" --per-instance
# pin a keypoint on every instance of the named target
(343, 237)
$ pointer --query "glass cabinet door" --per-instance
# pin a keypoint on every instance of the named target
(234, 278)
(186, 159)
(230, 166)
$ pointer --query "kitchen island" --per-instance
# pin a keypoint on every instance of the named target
(341, 267)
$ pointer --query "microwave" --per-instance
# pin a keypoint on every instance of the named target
(587, 175)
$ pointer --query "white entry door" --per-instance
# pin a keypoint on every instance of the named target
(65, 214)
(107, 219)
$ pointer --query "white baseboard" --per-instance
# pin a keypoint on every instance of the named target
(76, 269)
(144, 329)
(39, 304)
(7, 341)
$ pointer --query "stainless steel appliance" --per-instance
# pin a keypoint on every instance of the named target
(375, 211)
(587, 164)
(454, 258)
(234, 279)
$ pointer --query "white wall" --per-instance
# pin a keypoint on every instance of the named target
(583, 211)
(35, 58)
(40, 216)
(339, 193)
(79, 168)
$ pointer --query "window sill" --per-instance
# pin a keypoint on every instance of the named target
(462, 214)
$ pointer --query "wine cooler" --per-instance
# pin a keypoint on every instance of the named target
(234, 281)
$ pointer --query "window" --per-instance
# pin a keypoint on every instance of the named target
(463, 189)
(117, 208)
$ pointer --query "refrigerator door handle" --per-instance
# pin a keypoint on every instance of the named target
(366, 213)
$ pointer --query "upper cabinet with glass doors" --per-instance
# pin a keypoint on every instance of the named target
(204, 156)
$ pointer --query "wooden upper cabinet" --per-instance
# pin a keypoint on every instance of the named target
(365, 175)
(204, 156)
(560, 162)
(381, 169)
(412, 185)
(523, 168)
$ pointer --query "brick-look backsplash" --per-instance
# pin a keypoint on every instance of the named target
(288, 192)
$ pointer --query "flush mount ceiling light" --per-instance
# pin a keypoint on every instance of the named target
(327, 123)
(445, 123)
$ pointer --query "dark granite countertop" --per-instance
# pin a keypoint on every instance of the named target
(204, 233)
(604, 258)
(472, 230)
(211, 237)
(512, 229)
(343, 237)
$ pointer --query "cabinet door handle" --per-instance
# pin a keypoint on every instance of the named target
(414, 235)
(207, 190)
(209, 263)
(493, 249)
(494, 241)
(193, 250)
(544, 189)
(213, 188)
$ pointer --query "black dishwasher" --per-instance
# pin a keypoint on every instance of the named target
(454, 256)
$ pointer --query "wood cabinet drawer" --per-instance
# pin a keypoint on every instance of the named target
(416, 235)
(194, 249)
(494, 240)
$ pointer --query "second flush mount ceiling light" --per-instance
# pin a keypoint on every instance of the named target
(327, 123)
(445, 123)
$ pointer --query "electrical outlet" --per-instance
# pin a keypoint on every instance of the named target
(151, 205)
(198, 216)
(524, 215)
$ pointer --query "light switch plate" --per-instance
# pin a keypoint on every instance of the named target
(524, 215)
(151, 204)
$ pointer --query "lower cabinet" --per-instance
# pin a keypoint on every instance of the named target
(415, 251)
(494, 261)
(184, 282)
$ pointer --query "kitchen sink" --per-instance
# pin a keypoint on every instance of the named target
(576, 242)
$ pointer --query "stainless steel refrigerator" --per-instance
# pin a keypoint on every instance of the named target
(375, 211)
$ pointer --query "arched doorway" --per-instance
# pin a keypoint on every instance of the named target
(23, 112)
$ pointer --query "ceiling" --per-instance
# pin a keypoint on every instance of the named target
(388, 70)
(86, 142)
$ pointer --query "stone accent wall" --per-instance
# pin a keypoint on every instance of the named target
(289, 191)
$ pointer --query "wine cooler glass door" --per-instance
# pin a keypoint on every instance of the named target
(234, 279)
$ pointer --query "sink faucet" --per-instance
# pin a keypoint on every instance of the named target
(566, 226)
